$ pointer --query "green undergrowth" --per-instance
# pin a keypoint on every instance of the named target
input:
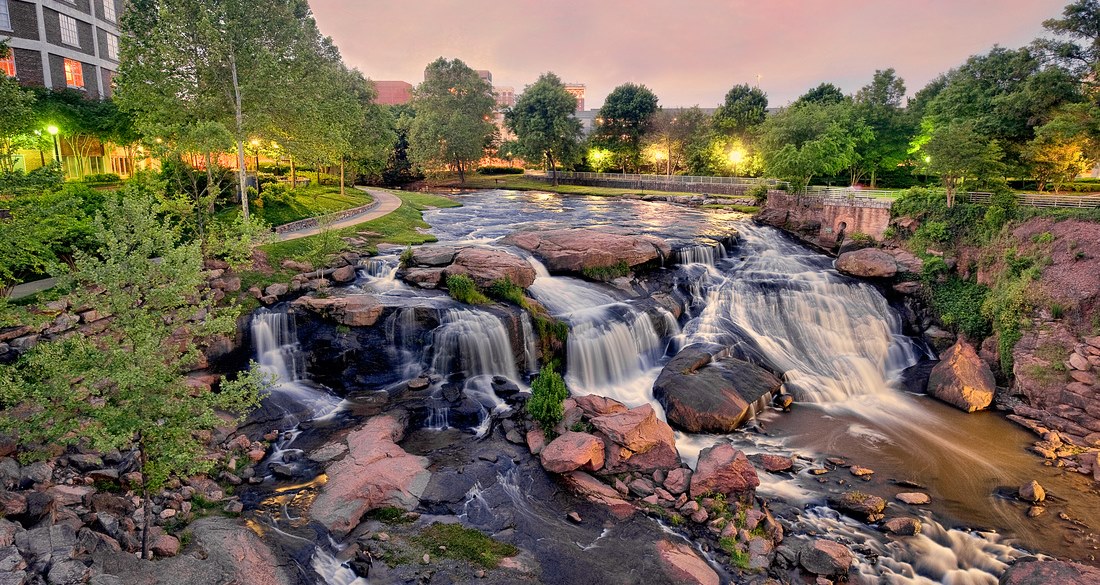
(463, 289)
(454, 541)
(548, 392)
(606, 273)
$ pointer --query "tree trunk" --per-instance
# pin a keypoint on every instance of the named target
(147, 506)
(461, 172)
(553, 169)
(341, 176)
(293, 174)
(874, 178)
(210, 185)
(242, 173)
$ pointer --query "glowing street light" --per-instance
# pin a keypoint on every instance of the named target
(52, 131)
(737, 156)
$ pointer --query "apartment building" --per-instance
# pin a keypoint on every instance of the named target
(62, 43)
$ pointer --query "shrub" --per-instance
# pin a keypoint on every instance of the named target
(959, 304)
(933, 231)
(407, 257)
(463, 290)
(102, 178)
(498, 170)
(759, 193)
(1043, 238)
(506, 290)
(548, 392)
(861, 238)
(606, 273)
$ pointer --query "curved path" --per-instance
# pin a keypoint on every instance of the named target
(387, 203)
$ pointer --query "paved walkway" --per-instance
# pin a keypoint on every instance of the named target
(387, 203)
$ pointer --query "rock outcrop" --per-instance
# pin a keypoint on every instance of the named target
(375, 473)
(723, 469)
(867, 263)
(963, 379)
(1032, 571)
(705, 394)
(682, 564)
(577, 249)
(827, 558)
(572, 451)
(487, 265)
(352, 310)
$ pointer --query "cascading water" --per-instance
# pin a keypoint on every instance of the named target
(473, 343)
(279, 355)
(709, 254)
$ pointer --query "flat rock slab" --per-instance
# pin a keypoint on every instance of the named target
(574, 249)
(684, 566)
(353, 310)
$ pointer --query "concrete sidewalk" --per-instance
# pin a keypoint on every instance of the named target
(387, 203)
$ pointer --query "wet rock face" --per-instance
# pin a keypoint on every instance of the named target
(963, 379)
(1032, 571)
(723, 469)
(573, 250)
(826, 558)
(867, 263)
(703, 394)
(353, 311)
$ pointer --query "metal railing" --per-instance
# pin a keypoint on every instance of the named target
(667, 179)
(1037, 200)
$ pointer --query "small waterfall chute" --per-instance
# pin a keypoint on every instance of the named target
(472, 343)
(279, 355)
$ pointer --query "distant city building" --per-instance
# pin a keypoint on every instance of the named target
(62, 44)
(485, 75)
(506, 96)
(577, 90)
(393, 93)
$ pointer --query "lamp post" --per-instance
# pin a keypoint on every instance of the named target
(53, 130)
(256, 156)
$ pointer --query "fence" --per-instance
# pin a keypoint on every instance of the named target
(1034, 200)
(684, 183)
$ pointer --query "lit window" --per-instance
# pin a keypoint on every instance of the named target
(74, 73)
(112, 46)
(109, 10)
(7, 64)
(69, 35)
(5, 15)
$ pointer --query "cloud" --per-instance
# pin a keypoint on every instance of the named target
(689, 52)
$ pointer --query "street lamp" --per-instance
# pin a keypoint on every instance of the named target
(53, 130)
(736, 156)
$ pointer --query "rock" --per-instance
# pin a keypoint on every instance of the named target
(12, 503)
(226, 283)
(1032, 571)
(701, 393)
(1035, 511)
(424, 277)
(722, 469)
(48, 544)
(678, 480)
(637, 429)
(684, 566)
(595, 406)
(772, 463)
(353, 310)
(37, 472)
(962, 379)
(276, 290)
(297, 266)
(68, 572)
(867, 263)
(165, 545)
(575, 249)
(902, 526)
(10, 560)
(487, 265)
(343, 275)
(861, 471)
(827, 558)
(70, 495)
(860, 504)
(375, 473)
(85, 462)
(914, 498)
(433, 255)
(536, 441)
(419, 383)
(596, 491)
(1032, 492)
(572, 451)
(574, 517)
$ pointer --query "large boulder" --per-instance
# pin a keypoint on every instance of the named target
(703, 394)
(375, 473)
(352, 310)
(867, 263)
(574, 249)
(827, 558)
(486, 265)
(684, 566)
(572, 451)
(860, 504)
(723, 469)
(1032, 571)
(963, 379)
(637, 441)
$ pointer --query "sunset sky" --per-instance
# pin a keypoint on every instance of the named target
(689, 52)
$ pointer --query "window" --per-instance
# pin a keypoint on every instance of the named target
(112, 46)
(69, 34)
(5, 15)
(7, 65)
(109, 10)
(74, 74)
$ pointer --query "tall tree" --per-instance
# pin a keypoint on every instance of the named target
(743, 109)
(1077, 40)
(227, 61)
(957, 151)
(16, 120)
(673, 132)
(879, 104)
(543, 122)
(453, 123)
(812, 139)
(824, 94)
(623, 121)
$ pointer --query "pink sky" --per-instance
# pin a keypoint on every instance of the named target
(688, 52)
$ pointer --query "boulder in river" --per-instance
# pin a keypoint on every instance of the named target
(572, 451)
(575, 249)
(682, 564)
(962, 378)
(827, 558)
(723, 469)
(702, 393)
(487, 265)
(1032, 571)
(352, 310)
(867, 263)
(860, 504)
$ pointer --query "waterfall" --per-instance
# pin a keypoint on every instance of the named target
(280, 356)
(829, 337)
(611, 351)
(403, 341)
(473, 343)
(380, 273)
(530, 344)
(708, 254)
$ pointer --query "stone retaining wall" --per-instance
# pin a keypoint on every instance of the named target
(312, 222)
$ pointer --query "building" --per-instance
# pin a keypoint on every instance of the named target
(485, 75)
(62, 44)
(393, 93)
(577, 90)
(505, 96)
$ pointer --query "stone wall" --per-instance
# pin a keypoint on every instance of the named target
(821, 220)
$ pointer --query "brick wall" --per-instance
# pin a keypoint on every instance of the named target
(819, 220)
(101, 38)
(57, 69)
(24, 21)
(53, 32)
(28, 67)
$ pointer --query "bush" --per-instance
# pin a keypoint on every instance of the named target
(933, 231)
(759, 193)
(506, 290)
(39, 180)
(102, 178)
(606, 273)
(498, 170)
(548, 392)
(959, 304)
(458, 542)
(463, 290)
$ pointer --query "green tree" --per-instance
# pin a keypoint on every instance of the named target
(453, 122)
(125, 389)
(16, 120)
(880, 106)
(673, 133)
(623, 121)
(543, 122)
(743, 109)
(812, 139)
(1077, 40)
(955, 152)
(824, 94)
(41, 232)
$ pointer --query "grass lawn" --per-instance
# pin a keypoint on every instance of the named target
(399, 227)
(304, 202)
